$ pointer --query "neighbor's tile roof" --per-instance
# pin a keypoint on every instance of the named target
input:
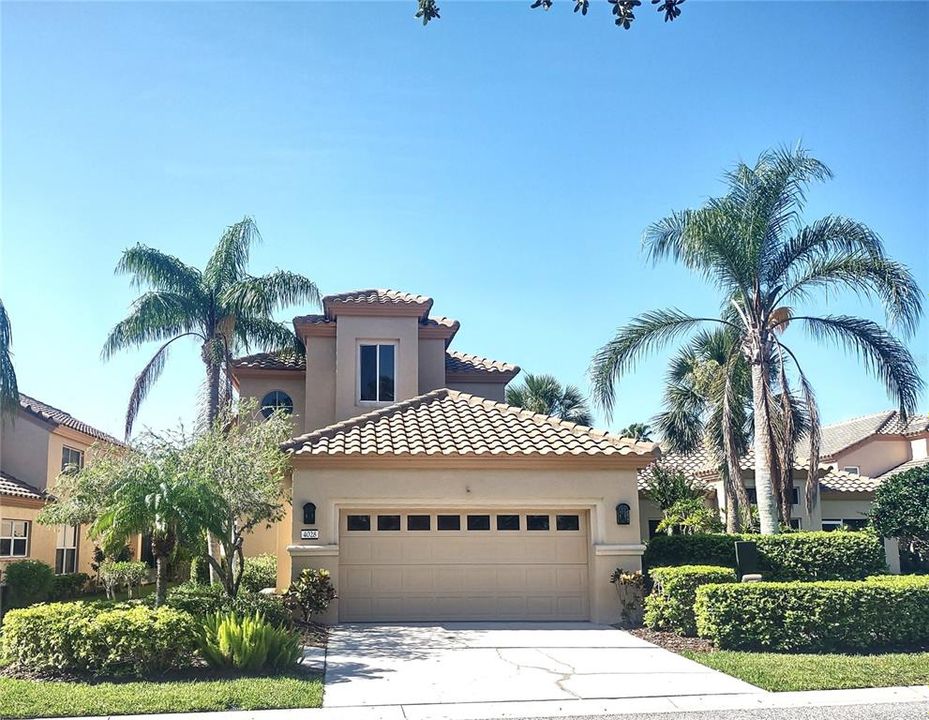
(447, 422)
(459, 363)
(313, 319)
(378, 296)
(272, 361)
(841, 481)
(689, 464)
(60, 417)
(9, 485)
(909, 465)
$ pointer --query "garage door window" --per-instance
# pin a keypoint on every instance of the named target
(478, 522)
(507, 522)
(418, 522)
(358, 523)
(448, 522)
(388, 522)
(567, 522)
(537, 522)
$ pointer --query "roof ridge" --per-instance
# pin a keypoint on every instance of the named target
(848, 421)
(47, 411)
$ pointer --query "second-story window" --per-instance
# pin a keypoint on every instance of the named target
(71, 459)
(377, 370)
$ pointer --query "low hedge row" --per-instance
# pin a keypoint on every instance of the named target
(827, 616)
(202, 601)
(670, 606)
(99, 638)
(805, 556)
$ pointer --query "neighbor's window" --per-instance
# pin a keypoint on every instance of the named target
(852, 469)
(376, 375)
(14, 538)
(66, 550)
(276, 400)
(71, 459)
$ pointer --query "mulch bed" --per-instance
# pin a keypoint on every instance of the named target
(672, 641)
(313, 634)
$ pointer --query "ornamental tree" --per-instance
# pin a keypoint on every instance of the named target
(901, 509)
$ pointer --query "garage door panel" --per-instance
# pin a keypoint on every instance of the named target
(464, 575)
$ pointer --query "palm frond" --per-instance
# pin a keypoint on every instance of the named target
(263, 295)
(265, 334)
(9, 390)
(159, 271)
(882, 354)
(155, 316)
(229, 261)
(144, 382)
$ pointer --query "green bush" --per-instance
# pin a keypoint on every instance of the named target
(827, 616)
(199, 570)
(29, 582)
(125, 574)
(202, 601)
(250, 643)
(260, 572)
(69, 585)
(98, 638)
(670, 606)
(311, 593)
(803, 556)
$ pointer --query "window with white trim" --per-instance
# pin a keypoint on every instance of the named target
(14, 538)
(856, 469)
(66, 550)
(71, 459)
(376, 371)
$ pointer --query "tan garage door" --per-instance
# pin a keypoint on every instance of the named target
(463, 565)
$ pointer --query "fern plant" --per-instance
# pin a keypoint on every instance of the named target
(248, 643)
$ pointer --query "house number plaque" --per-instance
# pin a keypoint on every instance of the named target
(309, 534)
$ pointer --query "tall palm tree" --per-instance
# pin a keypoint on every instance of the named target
(223, 308)
(544, 394)
(9, 391)
(752, 245)
(640, 432)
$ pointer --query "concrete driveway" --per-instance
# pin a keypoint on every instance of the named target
(449, 663)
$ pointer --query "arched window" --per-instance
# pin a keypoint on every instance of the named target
(276, 400)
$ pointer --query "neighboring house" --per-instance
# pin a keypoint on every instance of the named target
(425, 496)
(856, 456)
(35, 446)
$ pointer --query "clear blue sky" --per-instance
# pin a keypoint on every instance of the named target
(502, 160)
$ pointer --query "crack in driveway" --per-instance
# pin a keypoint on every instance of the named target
(563, 677)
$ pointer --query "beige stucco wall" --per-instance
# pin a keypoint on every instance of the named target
(431, 364)
(24, 449)
(258, 386)
(648, 510)
(594, 491)
(350, 331)
(845, 506)
(491, 391)
(43, 538)
(876, 456)
(320, 382)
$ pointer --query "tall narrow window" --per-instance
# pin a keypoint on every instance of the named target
(14, 538)
(66, 550)
(377, 372)
(71, 459)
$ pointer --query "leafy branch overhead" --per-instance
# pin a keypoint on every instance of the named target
(623, 10)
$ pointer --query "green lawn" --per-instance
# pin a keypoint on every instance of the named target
(780, 672)
(33, 698)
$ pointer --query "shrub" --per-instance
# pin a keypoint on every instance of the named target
(260, 572)
(128, 575)
(630, 588)
(272, 607)
(29, 582)
(98, 638)
(202, 601)
(827, 616)
(199, 571)
(803, 556)
(311, 593)
(250, 643)
(901, 509)
(670, 606)
(69, 585)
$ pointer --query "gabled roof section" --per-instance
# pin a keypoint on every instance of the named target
(272, 361)
(909, 465)
(449, 423)
(12, 487)
(361, 301)
(840, 481)
(54, 415)
(463, 367)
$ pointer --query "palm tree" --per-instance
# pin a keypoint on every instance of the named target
(544, 394)
(640, 432)
(223, 308)
(9, 391)
(752, 246)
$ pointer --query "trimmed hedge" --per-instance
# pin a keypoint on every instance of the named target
(99, 638)
(29, 582)
(670, 606)
(202, 601)
(805, 556)
(260, 572)
(829, 616)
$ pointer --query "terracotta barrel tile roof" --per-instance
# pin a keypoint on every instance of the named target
(378, 296)
(314, 319)
(463, 364)
(272, 361)
(10, 486)
(841, 481)
(909, 465)
(60, 417)
(447, 422)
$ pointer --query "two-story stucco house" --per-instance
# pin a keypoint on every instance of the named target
(425, 496)
(36, 444)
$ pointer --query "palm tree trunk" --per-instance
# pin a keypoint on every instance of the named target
(767, 504)
(212, 380)
(161, 579)
(732, 507)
